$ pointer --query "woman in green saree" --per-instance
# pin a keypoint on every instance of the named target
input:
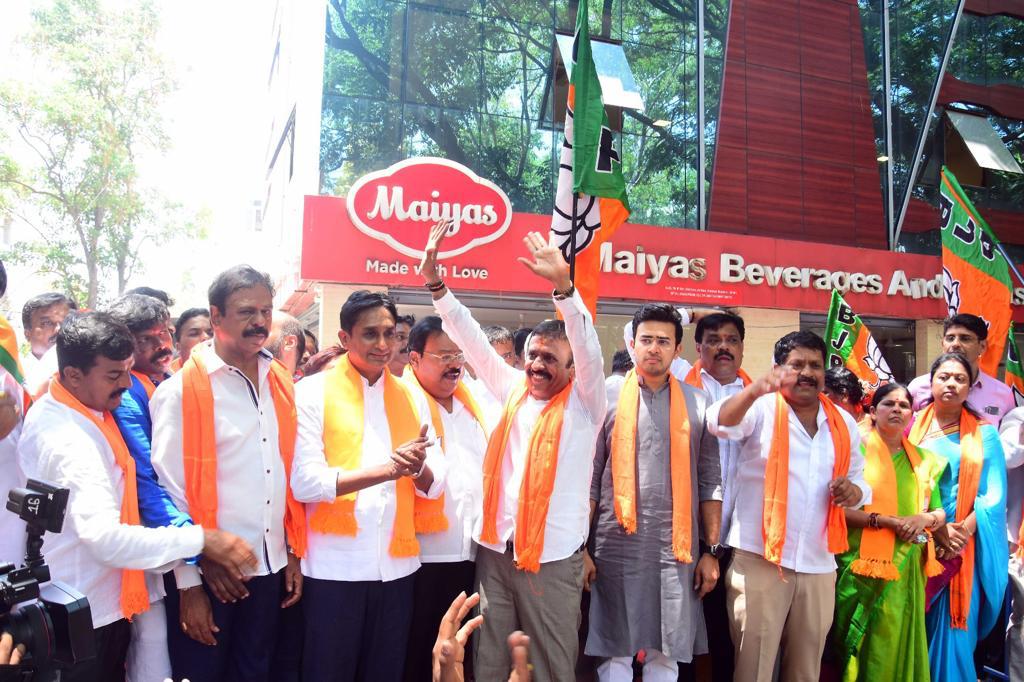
(880, 591)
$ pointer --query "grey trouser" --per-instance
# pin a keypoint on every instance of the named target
(544, 605)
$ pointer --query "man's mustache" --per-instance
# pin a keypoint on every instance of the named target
(724, 354)
(453, 374)
(807, 381)
(117, 393)
(258, 330)
(160, 355)
(539, 374)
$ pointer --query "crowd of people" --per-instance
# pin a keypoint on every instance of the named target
(435, 499)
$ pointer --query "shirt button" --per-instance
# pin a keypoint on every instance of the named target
(268, 471)
(264, 440)
(268, 501)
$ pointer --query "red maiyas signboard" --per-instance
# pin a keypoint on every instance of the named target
(376, 234)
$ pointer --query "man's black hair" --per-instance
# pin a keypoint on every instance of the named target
(495, 333)
(845, 383)
(519, 337)
(659, 312)
(716, 321)
(800, 339)
(552, 330)
(179, 324)
(139, 312)
(42, 302)
(421, 332)
(406, 319)
(84, 337)
(158, 294)
(621, 362)
(361, 301)
(970, 322)
(233, 279)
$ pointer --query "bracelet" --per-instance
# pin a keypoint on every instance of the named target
(873, 520)
(435, 286)
(562, 295)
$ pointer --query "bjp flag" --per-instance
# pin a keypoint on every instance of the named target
(975, 276)
(1014, 370)
(850, 344)
(589, 168)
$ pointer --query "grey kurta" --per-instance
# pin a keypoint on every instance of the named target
(643, 597)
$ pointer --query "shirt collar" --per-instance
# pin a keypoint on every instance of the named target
(706, 373)
(215, 363)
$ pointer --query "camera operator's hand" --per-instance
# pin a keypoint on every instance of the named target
(10, 416)
(197, 616)
(10, 654)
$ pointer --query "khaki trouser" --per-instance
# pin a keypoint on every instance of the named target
(544, 605)
(768, 610)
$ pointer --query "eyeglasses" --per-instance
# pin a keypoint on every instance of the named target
(448, 358)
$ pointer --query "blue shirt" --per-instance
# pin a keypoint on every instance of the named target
(155, 505)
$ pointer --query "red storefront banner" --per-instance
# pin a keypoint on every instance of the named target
(641, 263)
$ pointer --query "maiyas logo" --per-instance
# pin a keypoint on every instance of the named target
(399, 205)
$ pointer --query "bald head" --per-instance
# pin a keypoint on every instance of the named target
(287, 341)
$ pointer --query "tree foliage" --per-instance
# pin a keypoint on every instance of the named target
(77, 134)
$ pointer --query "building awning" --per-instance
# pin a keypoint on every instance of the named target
(617, 83)
(983, 142)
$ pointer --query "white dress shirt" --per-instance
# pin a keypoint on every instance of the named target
(38, 371)
(366, 555)
(1009, 434)
(568, 518)
(489, 405)
(464, 446)
(63, 447)
(251, 484)
(811, 461)
(12, 528)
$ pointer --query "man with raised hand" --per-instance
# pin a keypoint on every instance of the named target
(535, 515)
(656, 490)
(798, 467)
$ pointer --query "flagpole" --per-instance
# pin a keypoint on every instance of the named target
(572, 237)
(1009, 262)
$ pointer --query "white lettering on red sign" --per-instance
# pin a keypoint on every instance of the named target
(400, 204)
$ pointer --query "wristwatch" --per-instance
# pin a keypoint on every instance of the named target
(716, 550)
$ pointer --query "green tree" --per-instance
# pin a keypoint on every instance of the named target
(79, 135)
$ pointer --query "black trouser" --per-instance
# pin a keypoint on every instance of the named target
(434, 590)
(716, 617)
(356, 631)
(245, 643)
(111, 650)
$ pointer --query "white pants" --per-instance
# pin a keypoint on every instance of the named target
(148, 660)
(657, 668)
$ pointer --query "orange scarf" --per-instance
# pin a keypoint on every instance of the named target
(146, 382)
(134, 595)
(199, 445)
(343, 447)
(429, 514)
(776, 480)
(694, 378)
(971, 462)
(877, 545)
(538, 478)
(623, 455)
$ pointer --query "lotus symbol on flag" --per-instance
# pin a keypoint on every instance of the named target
(877, 364)
(951, 292)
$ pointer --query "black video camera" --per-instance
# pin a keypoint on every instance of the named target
(52, 620)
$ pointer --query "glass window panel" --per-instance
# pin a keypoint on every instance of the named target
(605, 17)
(671, 26)
(349, 148)
(363, 49)
(539, 13)
(443, 59)
(516, 62)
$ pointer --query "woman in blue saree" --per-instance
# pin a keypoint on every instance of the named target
(973, 490)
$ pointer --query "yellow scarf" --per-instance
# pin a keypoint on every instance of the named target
(878, 544)
(538, 478)
(623, 456)
(776, 480)
(971, 463)
(134, 595)
(694, 378)
(199, 446)
(343, 447)
(429, 515)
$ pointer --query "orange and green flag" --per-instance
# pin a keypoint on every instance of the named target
(975, 276)
(850, 344)
(9, 351)
(589, 168)
(1014, 370)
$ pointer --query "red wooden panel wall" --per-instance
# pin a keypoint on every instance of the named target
(795, 155)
